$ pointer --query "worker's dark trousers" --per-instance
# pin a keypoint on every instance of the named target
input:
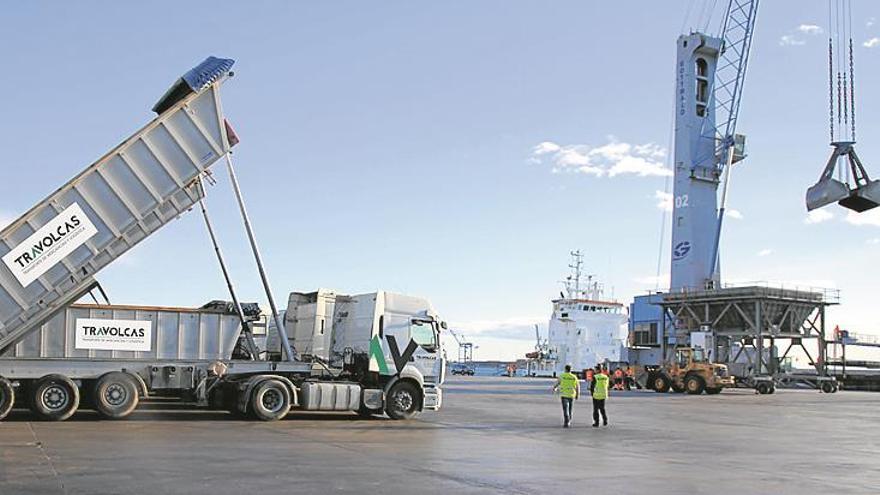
(599, 407)
(566, 409)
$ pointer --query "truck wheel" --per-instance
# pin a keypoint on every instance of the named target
(403, 401)
(695, 384)
(827, 387)
(270, 400)
(116, 395)
(54, 398)
(7, 397)
(714, 391)
(763, 388)
(661, 383)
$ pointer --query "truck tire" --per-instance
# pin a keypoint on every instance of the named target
(54, 397)
(714, 391)
(694, 384)
(827, 387)
(7, 397)
(116, 395)
(763, 388)
(661, 383)
(270, 400)
(403, 401)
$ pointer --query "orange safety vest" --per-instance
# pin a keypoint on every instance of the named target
(618, 373)
(589, 375)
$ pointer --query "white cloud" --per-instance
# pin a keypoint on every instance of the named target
(870, 22)
(871, 217)
(871, 43)
(873, 241)
(638, 166)
(789, 40)
(735, 214)
(664, 200)
(765, 252)
(545, 147)
(796, 36)
(516, 328)
(810, 29)
(818, 216)
(609, 160)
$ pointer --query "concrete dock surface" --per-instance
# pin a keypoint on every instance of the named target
(493, 436)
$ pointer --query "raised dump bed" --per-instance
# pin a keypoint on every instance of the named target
(50, 254)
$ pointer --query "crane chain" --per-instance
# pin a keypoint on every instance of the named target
(831, 88)
(852, 89)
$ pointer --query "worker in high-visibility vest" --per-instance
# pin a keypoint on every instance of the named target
(570, 390)
(599, 391)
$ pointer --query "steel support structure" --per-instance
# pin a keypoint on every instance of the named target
(750, 325)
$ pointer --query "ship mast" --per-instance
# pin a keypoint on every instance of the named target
(573, 281)
(574, 287)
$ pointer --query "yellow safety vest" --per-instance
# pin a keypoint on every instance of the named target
(600, 391)
(568, 385)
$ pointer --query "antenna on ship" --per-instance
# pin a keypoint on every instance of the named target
(573, 281)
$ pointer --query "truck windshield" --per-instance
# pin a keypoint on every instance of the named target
(422, 332)
(699, 355)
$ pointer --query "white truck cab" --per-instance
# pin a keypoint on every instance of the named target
(382, 339)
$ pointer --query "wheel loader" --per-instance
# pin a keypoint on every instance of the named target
(689, 372)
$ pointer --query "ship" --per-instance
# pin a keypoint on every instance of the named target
(586, 327)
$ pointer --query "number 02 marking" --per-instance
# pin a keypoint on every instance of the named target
(681, 201)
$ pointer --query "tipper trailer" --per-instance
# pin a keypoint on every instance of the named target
(373, 353)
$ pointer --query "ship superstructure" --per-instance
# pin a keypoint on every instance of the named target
(586, 327)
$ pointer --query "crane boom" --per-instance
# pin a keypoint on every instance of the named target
(730, 73)
(739, 26)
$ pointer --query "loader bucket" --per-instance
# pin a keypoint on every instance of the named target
(825, 192)
(862, 198)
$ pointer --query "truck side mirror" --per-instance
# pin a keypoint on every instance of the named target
(443, 325)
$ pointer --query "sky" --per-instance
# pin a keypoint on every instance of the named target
(453, 150)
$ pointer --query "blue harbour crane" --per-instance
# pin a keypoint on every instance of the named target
(710, 73)
(710, 76)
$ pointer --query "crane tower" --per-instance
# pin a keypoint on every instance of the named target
(696, 176)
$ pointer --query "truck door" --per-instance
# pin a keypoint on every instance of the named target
(427, 357)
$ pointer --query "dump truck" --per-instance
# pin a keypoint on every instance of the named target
(690, 371)
(376, 353)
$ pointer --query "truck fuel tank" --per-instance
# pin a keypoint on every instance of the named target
(330, 396)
